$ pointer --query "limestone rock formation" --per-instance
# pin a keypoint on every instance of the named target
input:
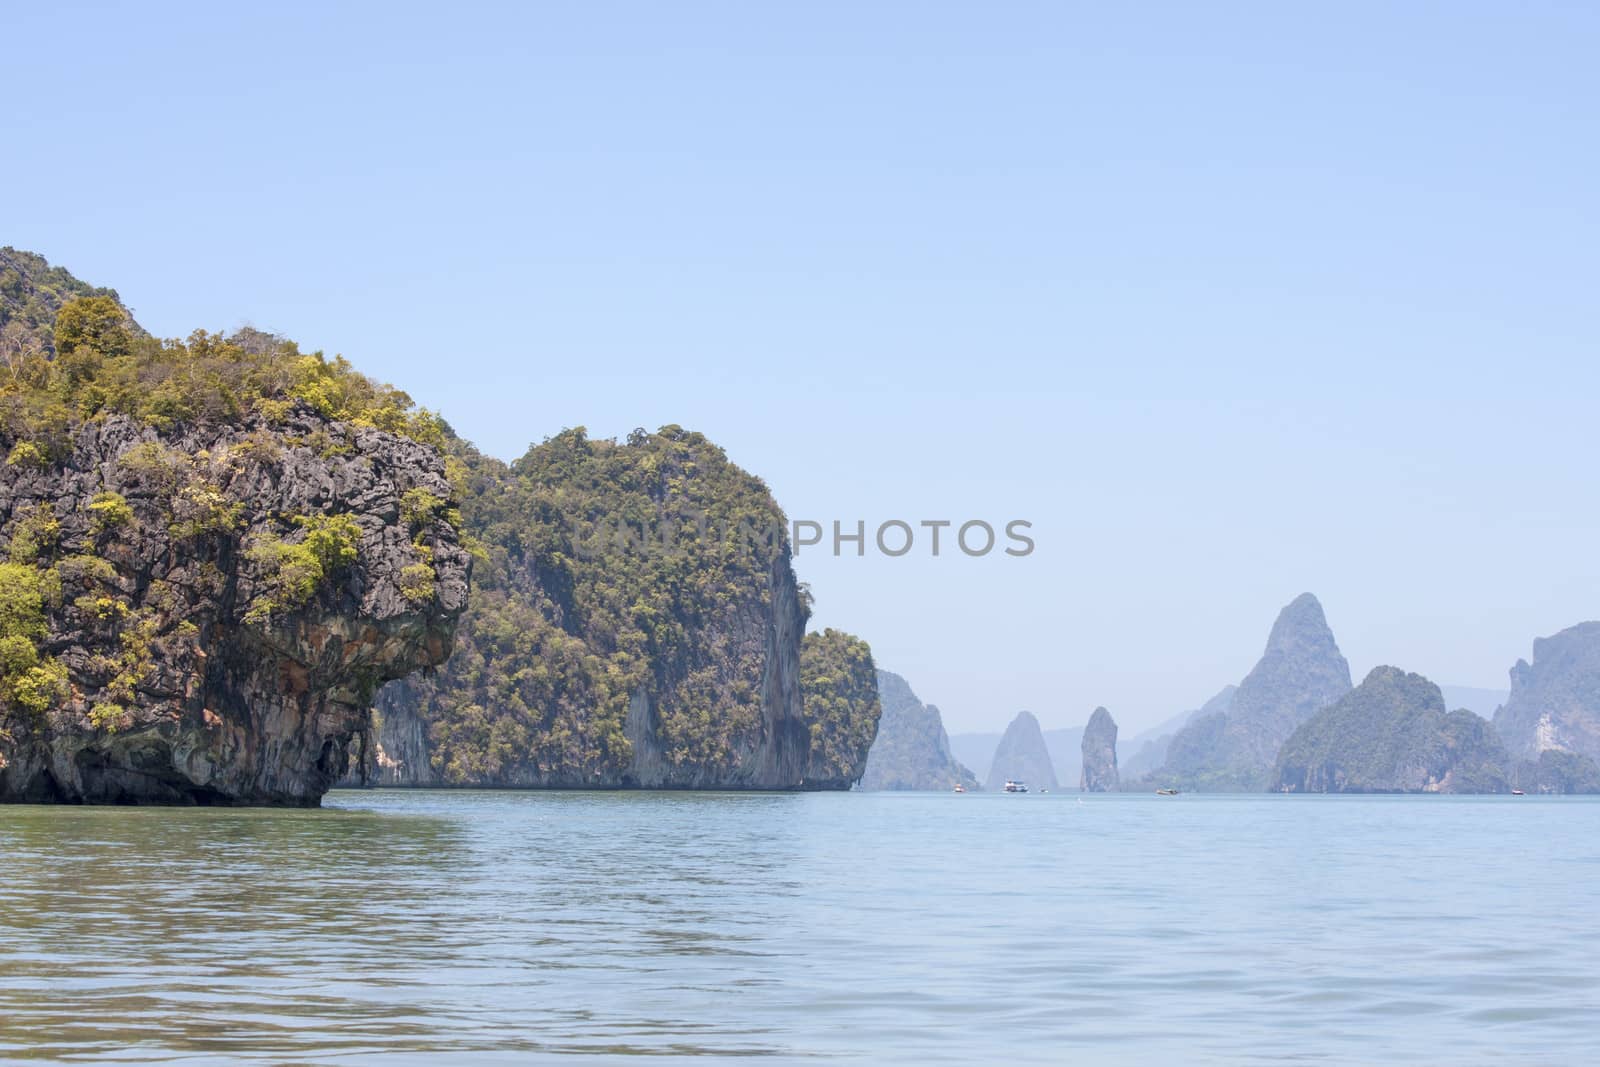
(1391, 734)
(185, 652)
(394, 750)
(1022, 756)
(661, 653)
(839, 698)
(912, 751)
(1300, 673)
(1555, 700)
(1099, 754)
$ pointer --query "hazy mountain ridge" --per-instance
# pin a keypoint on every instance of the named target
(912, 751)
(1300, 672)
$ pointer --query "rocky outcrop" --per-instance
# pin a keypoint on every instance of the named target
(1391, 734)
(1555, 700)
(1300, 673)
(663, 652)
(394, 751)
(1022, 757)
(211, 607)
(773, 753)
(1099, 754)
(839, 696)
(912, 751)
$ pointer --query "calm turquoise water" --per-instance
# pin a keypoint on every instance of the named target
(1123, 929)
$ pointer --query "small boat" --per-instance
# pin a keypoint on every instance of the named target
(1016, 787)
(960, 788)
(1166, 792)
(1518, 793)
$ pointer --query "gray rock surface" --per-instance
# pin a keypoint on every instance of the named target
(1022, 756)
(1300, 673)
(1099, 754)
(1555, 700)
(911, 750)
(766, 629)
(178, 693)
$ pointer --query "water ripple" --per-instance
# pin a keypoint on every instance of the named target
(485, 926)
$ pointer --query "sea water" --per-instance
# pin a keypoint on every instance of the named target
(855, 927)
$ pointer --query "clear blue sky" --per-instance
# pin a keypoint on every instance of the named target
(1231, 301)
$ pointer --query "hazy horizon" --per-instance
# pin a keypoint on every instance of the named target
(1228, 310)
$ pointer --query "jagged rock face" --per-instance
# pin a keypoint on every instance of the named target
(1022, 757)
(590, 660)
(1099, 754)
(1391, 734)
(394, 752)
(764, 635)
(1555, 701)
(181, 688)
(1300, 673)
(912, 751)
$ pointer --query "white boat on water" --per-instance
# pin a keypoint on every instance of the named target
(1016, 787)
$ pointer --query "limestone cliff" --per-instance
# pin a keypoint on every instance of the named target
(1555, 700)
(1300, 673)
(1391, 734)
(1022, 756)
(192, 662)
(912, 751)
(215, 550)
(636, 624)
(1099, 754)
(839, 699)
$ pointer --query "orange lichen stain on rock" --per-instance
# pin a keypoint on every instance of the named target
(294, 677)
(211, 717)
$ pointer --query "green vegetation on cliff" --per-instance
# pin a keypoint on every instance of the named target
(199, 591)
(839, 685)
(1391, 734)
(31, 295)
(611, 573)
(90, 360)
(635, 618)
